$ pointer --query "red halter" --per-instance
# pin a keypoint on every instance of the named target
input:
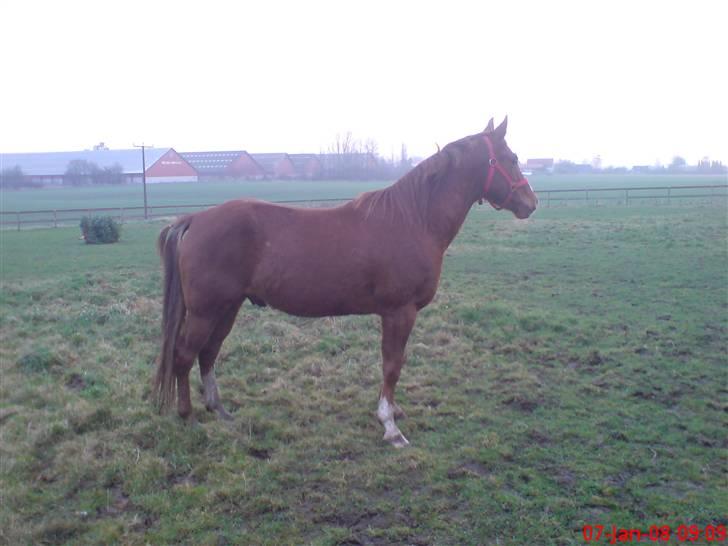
(493, 166)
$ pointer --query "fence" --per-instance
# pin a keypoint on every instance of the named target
(65, 217)
(547, 197)
(625, 196)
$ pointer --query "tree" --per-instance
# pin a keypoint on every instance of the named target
(678, 163)
(110, 175)
(80, 172)
(344, 144)
(371, 147)
(12, 177)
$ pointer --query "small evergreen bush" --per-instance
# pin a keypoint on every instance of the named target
(100, 229)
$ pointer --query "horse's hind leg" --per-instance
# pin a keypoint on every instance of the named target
(195, 334)
(208, 355)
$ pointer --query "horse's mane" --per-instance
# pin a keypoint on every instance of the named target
(408, 199)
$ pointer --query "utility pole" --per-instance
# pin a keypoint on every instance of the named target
(144, 176)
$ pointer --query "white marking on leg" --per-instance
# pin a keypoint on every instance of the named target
(392, 434)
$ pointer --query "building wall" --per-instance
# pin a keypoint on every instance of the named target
(171, 167)
(312, 169)
(245, 166)
(284, 169)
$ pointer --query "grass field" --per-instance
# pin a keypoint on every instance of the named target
(131, 195)
(571, 371)
(218, 192)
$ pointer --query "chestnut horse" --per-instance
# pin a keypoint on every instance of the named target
(380, 253)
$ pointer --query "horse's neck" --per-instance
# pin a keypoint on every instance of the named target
(448, 209)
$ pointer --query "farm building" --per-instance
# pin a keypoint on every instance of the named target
(276, 165)
(542, 165)
(162, 165)
(307, 166)
(223, 164)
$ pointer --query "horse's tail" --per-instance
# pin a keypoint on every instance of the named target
(173, 312)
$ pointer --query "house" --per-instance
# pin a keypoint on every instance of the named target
(162, 164)
(307, 166)
(276, 165)
(224, 164)
(540, 166)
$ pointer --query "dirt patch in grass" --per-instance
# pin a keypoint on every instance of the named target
(468, 469)
(75, 382)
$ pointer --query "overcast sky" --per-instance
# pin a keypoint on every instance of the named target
(634, 81)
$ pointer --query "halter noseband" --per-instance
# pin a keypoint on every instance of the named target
(493, 166)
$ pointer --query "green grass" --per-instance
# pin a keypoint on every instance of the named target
(179, 194)
(218, 192)
(571, 371)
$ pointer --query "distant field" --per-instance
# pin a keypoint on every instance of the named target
(570, 372)
(218, 192)
(181, 194)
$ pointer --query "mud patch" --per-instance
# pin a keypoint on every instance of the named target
(469, 469)
(117, 502)
(75, 382)
(522, 402)
(259, 453)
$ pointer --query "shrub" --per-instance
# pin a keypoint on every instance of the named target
(100, 229)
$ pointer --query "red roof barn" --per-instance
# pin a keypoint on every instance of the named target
(275, 165)
(171, 167)
(233, 164)
(307, 166)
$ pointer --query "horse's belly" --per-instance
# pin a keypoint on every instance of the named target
(318, 302)
(311, 289)
(340, 277)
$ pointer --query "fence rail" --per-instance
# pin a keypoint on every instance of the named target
(547, 197)
(64, 217)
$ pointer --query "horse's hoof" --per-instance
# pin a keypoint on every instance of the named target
(224, 415)
(190, 420)
(221, 413)
(397, 440)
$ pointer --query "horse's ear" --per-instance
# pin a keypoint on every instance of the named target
(500, 131)
(489, 127)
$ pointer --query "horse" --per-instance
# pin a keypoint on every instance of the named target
(380, 253)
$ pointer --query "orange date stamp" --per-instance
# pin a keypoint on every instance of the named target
(611, 534)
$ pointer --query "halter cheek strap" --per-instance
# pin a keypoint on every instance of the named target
(493, 166)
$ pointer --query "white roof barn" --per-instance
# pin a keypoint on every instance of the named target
(162, 164)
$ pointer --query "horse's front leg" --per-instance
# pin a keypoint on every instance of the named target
(396, 328)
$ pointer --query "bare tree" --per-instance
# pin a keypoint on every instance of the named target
(371, 147)
(344, 144)
(80, 172)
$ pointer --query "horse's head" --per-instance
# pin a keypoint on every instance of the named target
(504, 185)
